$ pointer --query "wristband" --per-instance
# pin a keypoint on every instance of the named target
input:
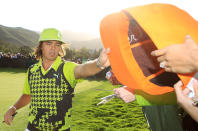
(195, 102)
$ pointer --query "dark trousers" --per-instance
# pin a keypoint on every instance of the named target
(163, 117)
(189, 124)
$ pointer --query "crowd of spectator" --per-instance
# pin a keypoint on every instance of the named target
(16, 60)
(24, 61)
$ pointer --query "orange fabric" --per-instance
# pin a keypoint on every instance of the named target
(164, 24)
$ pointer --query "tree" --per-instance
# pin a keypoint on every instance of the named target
(83, 53)
(25, 50)
(70, 54)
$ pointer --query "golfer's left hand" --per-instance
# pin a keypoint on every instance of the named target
(103, 58)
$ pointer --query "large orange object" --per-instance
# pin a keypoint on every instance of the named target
(134, 32)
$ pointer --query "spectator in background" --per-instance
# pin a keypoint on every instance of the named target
(159, 117)
(1, 55)
(124, 93)
(79, 61)
(16, 60)
(182, 58)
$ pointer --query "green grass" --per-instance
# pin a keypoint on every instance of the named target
(11, 87)
(86, 115)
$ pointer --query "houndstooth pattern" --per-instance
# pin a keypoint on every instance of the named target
(44, 94)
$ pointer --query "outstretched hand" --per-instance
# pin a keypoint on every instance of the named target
(182, 95)
(187, 103)
(178, 58)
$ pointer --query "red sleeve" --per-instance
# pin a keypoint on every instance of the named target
(130, 89)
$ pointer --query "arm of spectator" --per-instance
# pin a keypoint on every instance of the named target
(111, 78)
(179, 58)
(92, 67)
(23, 101)
(184, 101)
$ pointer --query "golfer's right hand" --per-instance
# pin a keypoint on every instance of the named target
(8, 116)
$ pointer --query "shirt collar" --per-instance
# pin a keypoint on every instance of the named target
(55, 65)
